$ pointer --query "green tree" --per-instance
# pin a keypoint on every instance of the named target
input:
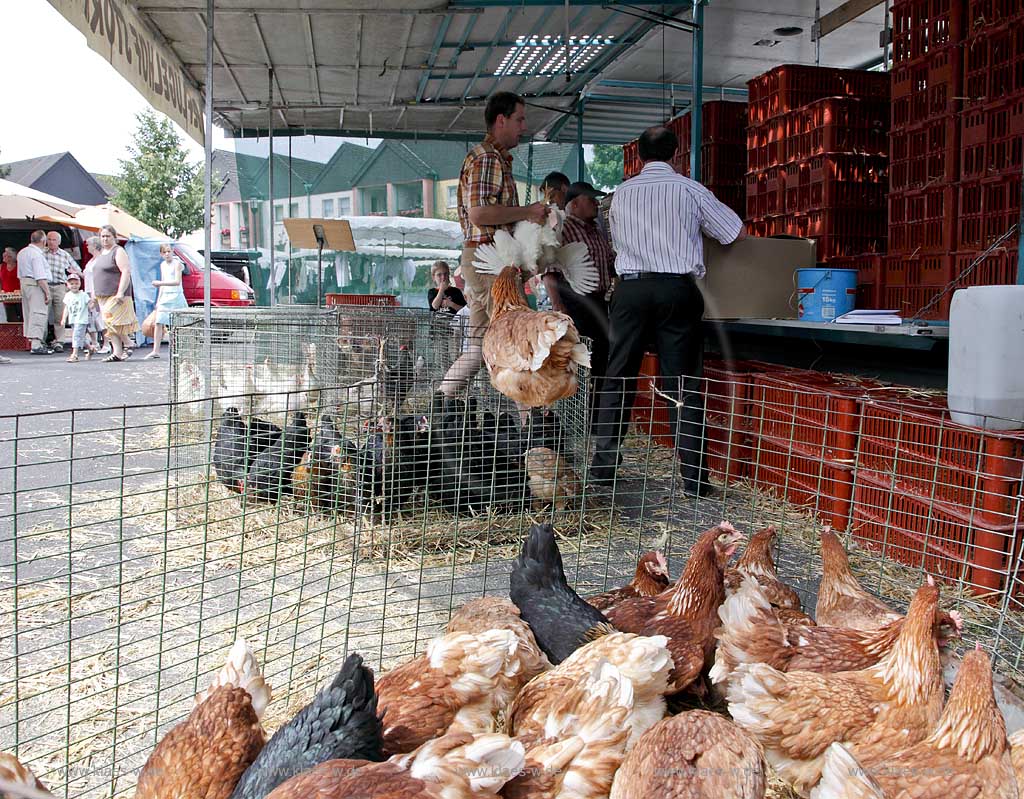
(156, 183)
(606, 167)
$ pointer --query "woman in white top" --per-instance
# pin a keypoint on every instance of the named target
(95, 327)
(170, 297)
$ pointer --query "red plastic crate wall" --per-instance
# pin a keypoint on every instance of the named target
(930, 535)
(630, 160)
(11, 337)
(792, 86)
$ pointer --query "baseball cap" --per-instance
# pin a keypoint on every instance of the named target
(581, 189)
(74, 277)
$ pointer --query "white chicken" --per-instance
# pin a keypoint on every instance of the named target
(536, 248)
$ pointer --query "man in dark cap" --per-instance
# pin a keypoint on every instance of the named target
(589, 312)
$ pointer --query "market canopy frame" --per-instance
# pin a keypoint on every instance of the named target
(423, 69)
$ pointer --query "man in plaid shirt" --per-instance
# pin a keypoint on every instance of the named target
(488, 201)
(61, 265)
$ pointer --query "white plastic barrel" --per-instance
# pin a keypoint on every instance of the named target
(986, 357)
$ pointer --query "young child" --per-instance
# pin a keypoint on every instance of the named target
(170, 296)
(76, 313)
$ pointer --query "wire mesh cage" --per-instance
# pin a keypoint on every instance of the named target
(137, 543)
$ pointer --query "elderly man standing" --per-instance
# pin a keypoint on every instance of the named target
(488, 201)
(656, 220)
(33, 274)
(61, 265)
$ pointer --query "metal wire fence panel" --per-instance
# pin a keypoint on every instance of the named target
(136, 544)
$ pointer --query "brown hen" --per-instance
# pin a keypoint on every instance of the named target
(461, 682)
(498, 613)
(687, 613)
(886, 708)
(841, 600)
(967, 755)
(553, 483)
(13, 771)
(531, 356)
(587, 730)
(204, 756)
(753, 632)
(644, 660)
(650, 579)
(695, 755)
(757, 562)
(455, 766)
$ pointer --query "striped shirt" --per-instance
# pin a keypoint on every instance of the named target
(601, 252)
(657, 218)
(485, 179)
(61, 264)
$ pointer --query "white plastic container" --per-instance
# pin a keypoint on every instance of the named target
(986, 357)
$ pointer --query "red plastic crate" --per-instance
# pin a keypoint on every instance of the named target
(868, 266)
(721, 121)
(988, 209)
(998, 268)
(925, 153)
(768, 226)
(790, 86)
(728, 450)
(382, 300)
(915, 269)
(923, 220)
(775, 189)
(984, 14)
(992, 139)
(910, 301)
(804, 478)
(11, 337)
(722, 163)
(817, 411)
(838, 125)
(927, 86)
(928, 535)
(925, 453)
(766, 143)
(630, 160)
(841, 232)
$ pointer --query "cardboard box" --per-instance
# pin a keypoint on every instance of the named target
(754, 278)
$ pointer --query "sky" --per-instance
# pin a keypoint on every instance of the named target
(42, 43)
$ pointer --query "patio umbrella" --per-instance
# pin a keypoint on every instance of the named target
(17, 202)
(93, 217)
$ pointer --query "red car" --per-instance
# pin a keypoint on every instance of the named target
(225, 291)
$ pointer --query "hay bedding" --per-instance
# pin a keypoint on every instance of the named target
(302, 588)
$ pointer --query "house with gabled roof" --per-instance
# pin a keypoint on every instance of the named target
(61, 175)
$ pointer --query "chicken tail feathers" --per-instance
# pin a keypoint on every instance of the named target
(241, 670)
(578, 267)
(842, 777)
(486, 761)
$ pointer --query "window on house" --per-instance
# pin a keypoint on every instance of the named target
(328, 208)
(278, 212)
(344, 206)
(295, 210)
(453, 196)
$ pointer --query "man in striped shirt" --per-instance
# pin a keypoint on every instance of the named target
(487, 201)
(656, 220)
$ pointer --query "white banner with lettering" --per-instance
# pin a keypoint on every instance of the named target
(114, 30)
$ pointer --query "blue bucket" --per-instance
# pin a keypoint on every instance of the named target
(824, 294)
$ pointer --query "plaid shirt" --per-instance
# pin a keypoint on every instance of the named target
(61, 265)
(485, 179)
(601, 252)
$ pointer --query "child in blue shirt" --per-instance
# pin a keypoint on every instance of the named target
(76, 313)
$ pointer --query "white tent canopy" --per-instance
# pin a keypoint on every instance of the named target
(374, 231)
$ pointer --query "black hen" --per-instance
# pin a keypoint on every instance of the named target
(396, 381)
(340, 722)
(231, 455)
(332, 457)
(270, 475)
(561, 621)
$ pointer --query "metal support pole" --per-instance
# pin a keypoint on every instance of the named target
(579, 139)
(270, 186)
(697, 106)
(208, 196)
(529, 172)
(1020, 241)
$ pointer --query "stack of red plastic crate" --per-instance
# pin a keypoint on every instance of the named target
(991, 139)
(927, 77)
(817, 151)
(723, 151)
